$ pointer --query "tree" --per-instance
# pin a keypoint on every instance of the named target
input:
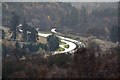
(3, 34)
(23, 49)
(32, 47)
(114, 33)
(43, 46)
(73, 17)
(4, 52)
(17, 45)
(14, 23)
(83, 18)
(85, 63)
(92, 44)
(16, 50)
(53, 42)
(33, 34)
(118, 33)
(96, 31)
(24, 28)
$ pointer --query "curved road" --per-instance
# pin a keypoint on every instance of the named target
(71, 42)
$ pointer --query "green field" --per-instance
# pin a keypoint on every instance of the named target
(62, 43)
(66, 46)
(60, 49)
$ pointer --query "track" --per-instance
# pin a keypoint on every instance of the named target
(73, 44)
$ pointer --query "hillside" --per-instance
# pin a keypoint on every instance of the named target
(100, 16)
(59, 40)
(88, 18)
(95, 5)
(42, 15)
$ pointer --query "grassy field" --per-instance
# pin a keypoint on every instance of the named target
(62, 43)
(46, 32)
(42, 40)
(60, 49)
(66, 46)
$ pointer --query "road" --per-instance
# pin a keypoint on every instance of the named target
(71, 42)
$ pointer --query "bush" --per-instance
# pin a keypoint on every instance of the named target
(60, 49)
(59, 59)
(66, 46)
(53, 42)
(92, 44)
